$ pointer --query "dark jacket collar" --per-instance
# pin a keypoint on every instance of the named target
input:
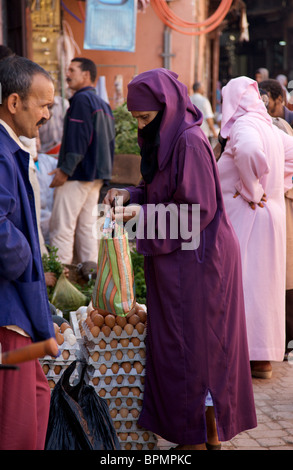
(86, 88)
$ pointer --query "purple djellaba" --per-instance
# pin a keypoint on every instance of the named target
(196, 344)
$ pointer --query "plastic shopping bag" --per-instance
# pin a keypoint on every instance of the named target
(114, 290)
(79, 419)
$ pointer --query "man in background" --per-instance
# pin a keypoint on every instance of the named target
(276, 106)
(85, 163)
(203, 104)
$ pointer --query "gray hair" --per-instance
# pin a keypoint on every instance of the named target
(16, 76)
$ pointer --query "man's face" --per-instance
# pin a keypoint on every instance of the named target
(75, 77)
(33, 111)
(144, 117)
(275, 106)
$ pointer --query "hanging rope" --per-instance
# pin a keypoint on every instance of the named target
(176, 23)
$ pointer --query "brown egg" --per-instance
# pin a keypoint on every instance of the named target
(113, 343)
(114, 391)
(131, 379)
(107, 380)
(128, 446)
(51, 383)
(107, 355)
(134, 436)
(117, 330)
(135, 341)
(59, 338)
(56, 327)
(119, 355)
(119, 379)
(103, 369)
(134, 412)
(140, 328)
(151, 445)
(102, 392)
(138, 367)
(102, 344)
(95, 331)
(133, 319)
(123, 412)
(124, 342)
(98, 319)
(64, 327)
(121, 321)
(124, 391)
(106, 330)
(142, 353)
(145, 436)
(45, 368)
(126, 367)
(118, 402)
(115, 367)
(89, 322)
(113, 413)
(110, 320)
(65, 354)
(57, 369)
(129, 401)
(129, 329)
(128, 424)
(139, 446)
(142, 315)
(136, 391)
(117, 424)
(130, 353)
(95, 380)
(95, 356)
(123, 436)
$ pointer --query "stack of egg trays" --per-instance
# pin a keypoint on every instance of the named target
(54, 367)
(130, 435)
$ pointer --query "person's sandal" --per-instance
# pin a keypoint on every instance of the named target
(261, 369)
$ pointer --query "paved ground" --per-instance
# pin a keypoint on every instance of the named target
(274, 407)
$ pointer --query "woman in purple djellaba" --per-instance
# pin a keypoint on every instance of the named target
(198, 388)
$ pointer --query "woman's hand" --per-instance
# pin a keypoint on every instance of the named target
(252, 204)
(122, 195)
(126, 213)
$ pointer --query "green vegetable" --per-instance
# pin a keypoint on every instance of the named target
(138, 268)
(125, 131)
(51, 264)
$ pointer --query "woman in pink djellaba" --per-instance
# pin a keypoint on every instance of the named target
(256, 170)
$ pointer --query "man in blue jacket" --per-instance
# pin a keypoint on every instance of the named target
(85, 163)
(25, 316)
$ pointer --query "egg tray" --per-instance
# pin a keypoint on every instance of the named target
(138, 356)
(144, 437)
(72, 350)
(73, 321)
(130, 445)
(120, 388)
(128, 442)
(110, 388)
(93, 341)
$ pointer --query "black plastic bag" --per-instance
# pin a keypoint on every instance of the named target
(79, 419)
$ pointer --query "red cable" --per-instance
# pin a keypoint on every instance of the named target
(169, 18)
(179, 22)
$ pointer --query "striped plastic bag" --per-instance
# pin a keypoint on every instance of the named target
(114, 290)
